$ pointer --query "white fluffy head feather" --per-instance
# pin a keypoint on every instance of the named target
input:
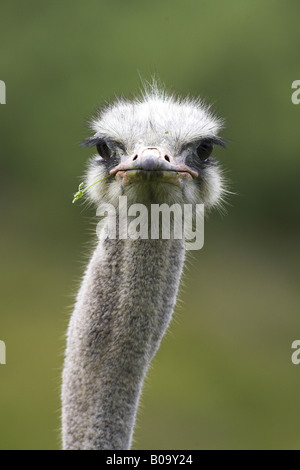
(157, 118)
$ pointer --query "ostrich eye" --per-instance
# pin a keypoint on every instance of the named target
(204, 150)
(103, 150)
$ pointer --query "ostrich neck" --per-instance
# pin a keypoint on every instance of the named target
(123, 309)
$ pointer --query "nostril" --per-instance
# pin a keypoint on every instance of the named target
(134, 158)
(167, 158)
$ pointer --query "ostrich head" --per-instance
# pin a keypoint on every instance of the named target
(156, 149)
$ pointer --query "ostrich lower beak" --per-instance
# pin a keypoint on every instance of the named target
(131, 176)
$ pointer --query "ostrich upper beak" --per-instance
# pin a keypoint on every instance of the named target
(150, 163)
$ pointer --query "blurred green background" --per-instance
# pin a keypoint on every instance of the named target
(223, 378)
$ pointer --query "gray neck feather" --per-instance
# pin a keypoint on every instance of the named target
(122, 311)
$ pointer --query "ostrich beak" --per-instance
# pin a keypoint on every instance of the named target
(152, 163)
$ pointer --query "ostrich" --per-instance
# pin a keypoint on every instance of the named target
(153, 149)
